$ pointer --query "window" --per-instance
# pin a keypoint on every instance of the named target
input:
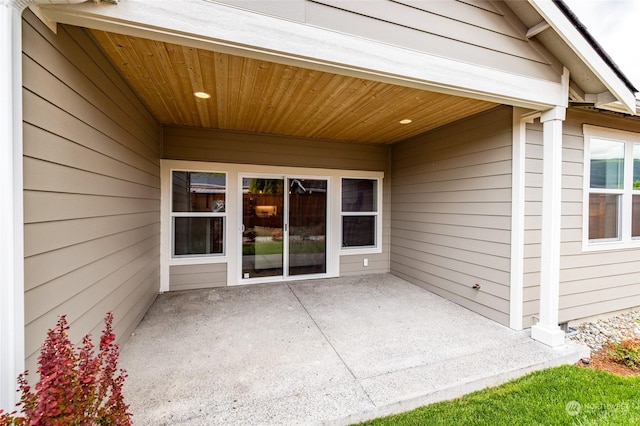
(198, 211)
(612, 163)
(360, 213)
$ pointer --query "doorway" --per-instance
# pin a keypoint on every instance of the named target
(284, 227)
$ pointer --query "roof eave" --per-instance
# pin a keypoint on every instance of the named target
(575, 35)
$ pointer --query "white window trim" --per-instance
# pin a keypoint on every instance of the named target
(377, 248)
(625, 241)
(174, 215)
(234, 221)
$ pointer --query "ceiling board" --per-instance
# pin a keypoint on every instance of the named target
(253, 95)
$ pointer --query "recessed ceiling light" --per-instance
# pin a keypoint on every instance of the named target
(405, 121)
(201, 95)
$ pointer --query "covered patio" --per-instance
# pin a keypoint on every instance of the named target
(332, 351)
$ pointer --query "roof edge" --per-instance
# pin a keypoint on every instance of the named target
(582, 29)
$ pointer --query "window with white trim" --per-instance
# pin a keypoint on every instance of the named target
(198, 212)
(360, 213)
(612, 175)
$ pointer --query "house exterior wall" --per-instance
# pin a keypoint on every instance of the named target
(591, 283)
(216, 146)
(451, 212)
(479, 32)
(91, 189)
(188, 277)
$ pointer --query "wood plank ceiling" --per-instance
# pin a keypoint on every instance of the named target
(265, 97)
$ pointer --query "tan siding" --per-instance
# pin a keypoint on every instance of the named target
(92, 188)
(182, 143)
(451, 206)
(189, 277)
(479, 32)
(448, 29)
(591, 283)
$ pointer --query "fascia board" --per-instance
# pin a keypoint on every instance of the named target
(213, 26)
(570, 35)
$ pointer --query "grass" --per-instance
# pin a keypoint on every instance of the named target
(566, 395)
(275, 247)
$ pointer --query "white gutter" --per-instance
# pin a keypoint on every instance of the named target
(12, 353)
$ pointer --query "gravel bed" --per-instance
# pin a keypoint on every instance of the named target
(614, 329)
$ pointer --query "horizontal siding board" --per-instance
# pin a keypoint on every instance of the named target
(494, 209)
(181, 143)
(493, 292)
(354, 264)
(604, 283)
(597, 307)
(430, 161)
(47, 206)
(487, 195)
(59, 52)
(66, 233)
(41, 114)
(426, 248)
(60, 289)
(91, 198)
(48, 87)
(44, 267)
(51, 177)
(469, 184)
(469, 233)
(189, 277)
(479, 220)
(91, 304)
(453, 270)
(45, 146)
(421, 174)
(409, 27)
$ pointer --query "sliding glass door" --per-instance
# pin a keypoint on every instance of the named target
(307, 226)
(284, 224)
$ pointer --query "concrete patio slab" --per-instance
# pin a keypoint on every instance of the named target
(332, 351)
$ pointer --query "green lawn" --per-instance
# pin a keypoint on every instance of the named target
(275, 247)
(566, 395)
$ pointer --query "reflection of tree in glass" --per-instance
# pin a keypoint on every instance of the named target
(266, 186)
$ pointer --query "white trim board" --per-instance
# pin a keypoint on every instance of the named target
(218, 27)
(11, 213)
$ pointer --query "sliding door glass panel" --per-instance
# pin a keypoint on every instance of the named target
(307, 226)
(262, 220)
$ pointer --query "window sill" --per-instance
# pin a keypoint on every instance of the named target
(198, 260)
(611, 246)
(364, 250)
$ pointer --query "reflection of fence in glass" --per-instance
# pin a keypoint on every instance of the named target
(604, 216)
(198, 235)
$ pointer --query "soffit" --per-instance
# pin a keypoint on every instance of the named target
(582, 75)
(254, 95)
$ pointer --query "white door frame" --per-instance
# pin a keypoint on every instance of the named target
(285, 264)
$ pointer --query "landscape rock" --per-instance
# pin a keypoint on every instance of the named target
(608, 330)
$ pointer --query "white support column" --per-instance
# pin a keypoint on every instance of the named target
(547, 330)
(11, 218)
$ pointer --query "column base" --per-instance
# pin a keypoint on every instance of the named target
(550, 336)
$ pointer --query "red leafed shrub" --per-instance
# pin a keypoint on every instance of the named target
(77, 386)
